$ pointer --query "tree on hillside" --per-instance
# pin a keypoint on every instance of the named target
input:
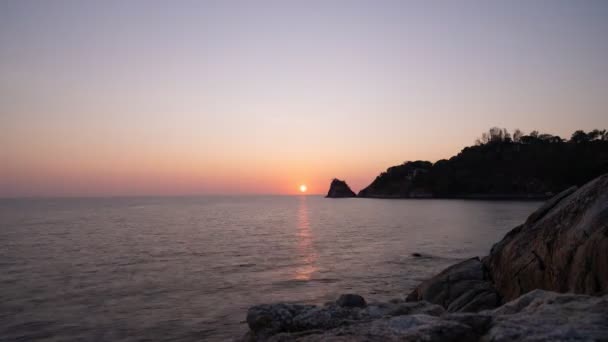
(506, 136)
(494, 135)
(594, 135)
(497, 135)
(579, 137)
(550, 138)
(517, 134)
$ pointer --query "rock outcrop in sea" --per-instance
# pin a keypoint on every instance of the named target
(546, 280)
(339, 189)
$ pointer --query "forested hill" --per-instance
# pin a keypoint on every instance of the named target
(501, 165)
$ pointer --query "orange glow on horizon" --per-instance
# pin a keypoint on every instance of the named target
(303, 188)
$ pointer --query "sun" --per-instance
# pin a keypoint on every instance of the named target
(303, 188)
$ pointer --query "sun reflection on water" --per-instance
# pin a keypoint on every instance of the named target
(305, 247)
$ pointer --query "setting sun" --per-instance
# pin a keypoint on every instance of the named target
(303, 188)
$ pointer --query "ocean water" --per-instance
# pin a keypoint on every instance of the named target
(187, 269)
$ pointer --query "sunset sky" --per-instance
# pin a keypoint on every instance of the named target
(228, 97)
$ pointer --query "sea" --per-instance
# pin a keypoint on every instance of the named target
(188, 268)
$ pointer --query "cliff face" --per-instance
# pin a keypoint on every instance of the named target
(496, 170)
(339, 189)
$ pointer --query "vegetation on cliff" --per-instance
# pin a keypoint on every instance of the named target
(501, 164)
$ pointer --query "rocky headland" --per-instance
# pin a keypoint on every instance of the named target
(546, 280)
(339, 189)
(535, 166)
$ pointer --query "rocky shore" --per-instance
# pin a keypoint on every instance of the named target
(546, 280)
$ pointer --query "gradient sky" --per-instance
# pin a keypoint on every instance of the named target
(205, 97)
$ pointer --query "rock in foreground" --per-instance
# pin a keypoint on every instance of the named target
(536, 316)
(267, 320)
(464, 287)
(339, 189)
(562, 247)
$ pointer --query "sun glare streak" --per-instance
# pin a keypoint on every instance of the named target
(306, 250)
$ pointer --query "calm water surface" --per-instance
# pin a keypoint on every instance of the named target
(187, 269)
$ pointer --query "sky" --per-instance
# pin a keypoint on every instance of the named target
(112, 98)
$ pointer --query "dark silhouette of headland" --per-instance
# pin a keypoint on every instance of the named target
(500, 165)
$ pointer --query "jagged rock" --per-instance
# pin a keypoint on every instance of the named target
(537, 316)
(464, 287)
(339, 189)
(561, 247)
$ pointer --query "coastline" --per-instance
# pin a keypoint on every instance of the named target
(544, 280)
(498, 197)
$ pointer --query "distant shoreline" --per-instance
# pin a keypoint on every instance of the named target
(469, 197)
(499, 166)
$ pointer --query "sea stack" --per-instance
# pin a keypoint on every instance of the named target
(339, 189)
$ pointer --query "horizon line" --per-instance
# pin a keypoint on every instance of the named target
(152, 196)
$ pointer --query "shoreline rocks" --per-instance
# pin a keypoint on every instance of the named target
(516, 293)
(562, 247)
(463, 287)
(339, 189)
(271, 321)
(536, 316)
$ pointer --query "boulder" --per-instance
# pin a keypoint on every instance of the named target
(464, 287)
(351, 300)
(272, 318)
(561, 247)
(339, 189)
